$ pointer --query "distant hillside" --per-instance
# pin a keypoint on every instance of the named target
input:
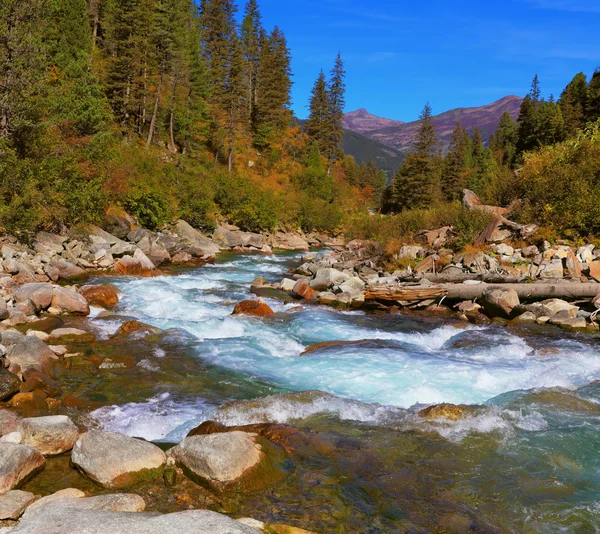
(485, 117)
(364, 149)
(361, 121)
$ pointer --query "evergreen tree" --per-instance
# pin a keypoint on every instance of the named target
(22, 64)
(417, 184)
(527, 126)
(273, 87)
(253, 40)
(574, 103)
(456, 164)
(535, 91)
(593, 113)
(318, 124)
(504, 141)
(337, 102)
(550, 124)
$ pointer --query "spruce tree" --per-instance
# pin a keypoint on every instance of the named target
(527, 125)
(504, 140)
(252, 39)
(273, 88)
(337, 102)
(593, 113)
(417, 184)
(574, 104)
(455, 164)
(318, 124)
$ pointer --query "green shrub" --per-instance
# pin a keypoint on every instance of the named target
(150, 208)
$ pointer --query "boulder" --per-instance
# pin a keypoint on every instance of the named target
(552, 270)
(411, 252)
(63, 518)
(60, 495)
(14, 502)
(195, 238)
(50, 435)
(499, 302)
(9, 422)
(218, 459)
(303, 290)
(4, 313)
(443, 411)
(68, 301)
(40, 294)
(573, 265)
(118, 222)
(144, 261)
(287, 285)
(9, 384)
(554, 306)
(17, 462)
(34, 380)
(69, 271)
(128, 266)
(114, 460)
(226, 238)
(254, 307)
(326, 278)
(595, 270)
(30, 353)
(74, 499)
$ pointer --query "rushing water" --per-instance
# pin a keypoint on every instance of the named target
(527, 459)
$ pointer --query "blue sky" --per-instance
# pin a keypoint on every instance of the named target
(453, 53)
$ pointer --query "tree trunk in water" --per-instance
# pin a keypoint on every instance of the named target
(154, 114)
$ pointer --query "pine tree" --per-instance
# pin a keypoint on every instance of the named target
(504, 141)
(550, 124)
(337, 102)
(22, 64)
(417, 184)
(593, 113)
(535, 91)
(456, 163)
(527, 126)
(273, 88)
(252, 38)
(318, 124)
(574, 104)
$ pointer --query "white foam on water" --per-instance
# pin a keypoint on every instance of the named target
(161, 418)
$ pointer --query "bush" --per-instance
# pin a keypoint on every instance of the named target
(150, 208)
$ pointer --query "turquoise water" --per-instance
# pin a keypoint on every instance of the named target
(534, 389)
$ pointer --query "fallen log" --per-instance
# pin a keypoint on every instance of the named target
(490, 278)
(405, 294)
(526, 292)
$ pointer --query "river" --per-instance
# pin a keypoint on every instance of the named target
(525, 459)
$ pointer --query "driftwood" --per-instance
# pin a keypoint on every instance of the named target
(405, 294)
(459, 292)
(526, 292)
(490, 278)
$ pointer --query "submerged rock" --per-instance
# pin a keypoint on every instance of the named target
(451, 412)
(114, 461)
(255, 307)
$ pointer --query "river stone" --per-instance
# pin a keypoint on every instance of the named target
(328, 277)
(102, 295)
(287, 284)
(68, 301)
(255, 307)
(72, 498)
(302, 289)
(69, 271)
(39, 294)
(525, 318)
(11, 337)
(61, 518)
(17, 462)
(71, 335)
(499, 302)
(195, 238)
(30, 353)
(33, 380)
(218, 458)
(555, 306)
(114, 460)
(50, 435)
(9, 384)
(14, 502)
(9, 422)
(553, 270)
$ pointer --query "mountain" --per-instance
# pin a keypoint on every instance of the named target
(361, 121)
(364, 149)
(486, 118)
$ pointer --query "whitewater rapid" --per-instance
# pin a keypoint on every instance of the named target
(407, 362)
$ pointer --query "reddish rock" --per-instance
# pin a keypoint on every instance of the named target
(573, 265)
(138, 328)
(302, 289)
(128, 266)
(102, 295)
(255, 307)
(595, 270)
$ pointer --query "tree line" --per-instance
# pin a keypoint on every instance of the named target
(429, 176)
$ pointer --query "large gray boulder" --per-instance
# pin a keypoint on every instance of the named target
(326, 278)
(29, 353)
(195, 238)
(39, 294)
(9, 422)
(17, 462)
(114, 461)
(63, 518)
(218, 459)
(50, 435)
(14, 502)
(499, 302)
(69, 301)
